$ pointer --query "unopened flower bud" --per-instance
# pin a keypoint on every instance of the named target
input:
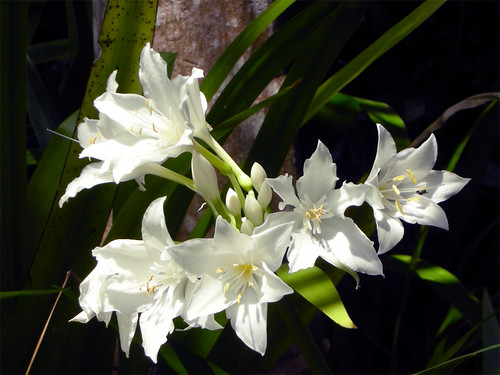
(265, 195)
(258, 175)
(204, 177)
(233, 203)
(247, 227)
(253, 210)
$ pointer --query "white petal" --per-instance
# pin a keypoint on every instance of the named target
(82, 317)
(127, 324)
(90, 176)
(303, 251)
(348, 195)
(154, 228)
(282, 185)
(386, 149)
(156, 323)
(155, 82)
(226, 236)
(249, 321)
(389, 230)
(350, 245)
(425, 212)
(87, 132)
(320, 175)
(111, 84)
(440, 185)
(270, 245)
(272, 287)
(420, 160)
(207, 299)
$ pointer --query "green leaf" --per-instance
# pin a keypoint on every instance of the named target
(49, 51)
(169, 58)
(44, 182)
(442, 281)
(228, 59)
(71, 232)
(388, 40)
(14, 257)
(490, 335)
(267, 62)
(449, 366)
(311, 66)
(316, 287)
(18, 293)
(343, 109)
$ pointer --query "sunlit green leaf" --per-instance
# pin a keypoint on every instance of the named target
(442, 281)
(316, 287)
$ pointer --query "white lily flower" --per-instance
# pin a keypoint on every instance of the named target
(135, 277)
(237, 275)
(320, 227)
(136, 133)
(403, 186)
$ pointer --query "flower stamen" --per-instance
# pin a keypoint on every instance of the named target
(399, 207)
(399, 178)
(412, 176)
(395, 188)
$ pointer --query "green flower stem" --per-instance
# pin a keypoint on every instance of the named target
(158, 170)
(223, 211)
(237, 189)
(221, 165)
(243, 179)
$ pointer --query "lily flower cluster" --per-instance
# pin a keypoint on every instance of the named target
(152, 281)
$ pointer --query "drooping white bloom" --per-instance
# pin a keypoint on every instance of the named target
(320, 227)
(135, 277)
(135, 133)
(237, 275)
(403, 186)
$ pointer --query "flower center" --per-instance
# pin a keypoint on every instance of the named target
(398, 191)
(312, 218)
(238, 278)
(162, 277)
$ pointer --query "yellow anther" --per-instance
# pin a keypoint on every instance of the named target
(150, 111)
(238, 299)
(140, 132)
(131, 129)
(147, 102)
(400, 209)
(413, 199)
(399, 178)
(250, 285)
(98, 135)
(154, 129)
(395, 188)
(226, 287)
(135, 111)
(412, 176)
(315, 213)
(219, 270)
